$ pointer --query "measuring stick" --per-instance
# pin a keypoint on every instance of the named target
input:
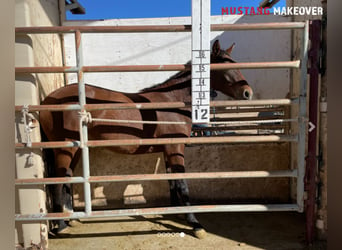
(200, 58)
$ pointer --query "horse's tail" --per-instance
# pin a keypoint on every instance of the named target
(48, 156)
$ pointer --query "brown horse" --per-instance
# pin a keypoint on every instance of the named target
(60, 126)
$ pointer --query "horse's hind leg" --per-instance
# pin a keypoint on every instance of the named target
(179, 188)
(62, 193)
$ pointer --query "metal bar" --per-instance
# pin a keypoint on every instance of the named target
(46, 70)
(219, 111)
(47, 181)
(161, 141)
(228, 122)
(179, 176)
(311, 159)
(248, 122)
(248, 117)
(83, 125)
(50, 144)
(52, 107)
(256, 65)
(155, 105)
(257, 26)
(159, 177)
(166, 67)
(159, 210)
(302, 125)
(230, 128)
(191, 140)
(103, 29)
(156, 28)
(138, 68)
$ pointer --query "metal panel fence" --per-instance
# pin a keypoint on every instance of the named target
(86, 179)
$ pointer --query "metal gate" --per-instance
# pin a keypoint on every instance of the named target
(84, 143)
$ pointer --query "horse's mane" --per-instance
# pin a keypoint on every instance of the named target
(179, 77)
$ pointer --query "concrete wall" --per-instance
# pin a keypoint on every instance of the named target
(201, 158)
(175, 48)
(33, 50)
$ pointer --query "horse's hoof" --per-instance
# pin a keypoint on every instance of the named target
(65, 230)
(74, 223)
(200, 233)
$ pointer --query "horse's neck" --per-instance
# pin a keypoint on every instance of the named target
(179, 85)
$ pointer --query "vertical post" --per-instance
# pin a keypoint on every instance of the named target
(311, 160)
(83, 125)
(200, 70)
(302, 125)
(28, 162)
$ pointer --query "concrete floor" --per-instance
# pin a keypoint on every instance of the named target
(243, 231)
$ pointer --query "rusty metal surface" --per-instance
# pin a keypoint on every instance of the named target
(166, 67)
(46, 70)
(155, 28)
(255, 65)
(191, 140)
(138, 68)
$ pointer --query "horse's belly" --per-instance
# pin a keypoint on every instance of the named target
(115, 125)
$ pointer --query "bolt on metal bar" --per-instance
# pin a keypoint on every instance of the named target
(159, 177)
(302, 125)
(156, 28)
(159, 210)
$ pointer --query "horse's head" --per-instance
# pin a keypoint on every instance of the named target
(230, 82)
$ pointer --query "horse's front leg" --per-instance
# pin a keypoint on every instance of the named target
(179, 191)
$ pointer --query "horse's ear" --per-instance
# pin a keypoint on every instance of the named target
(230, 49)
(216, 48)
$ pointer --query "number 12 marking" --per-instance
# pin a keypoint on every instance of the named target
(203, 113)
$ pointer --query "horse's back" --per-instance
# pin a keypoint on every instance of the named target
(69, 94)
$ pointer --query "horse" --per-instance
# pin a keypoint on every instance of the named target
(64, 126)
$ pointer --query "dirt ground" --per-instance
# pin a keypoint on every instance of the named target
(242, 231)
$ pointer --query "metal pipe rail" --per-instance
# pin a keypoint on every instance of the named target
(167, 67)
(163, 141)
(156, 28)
(158, 210)
(154, 105)
(160, 177)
